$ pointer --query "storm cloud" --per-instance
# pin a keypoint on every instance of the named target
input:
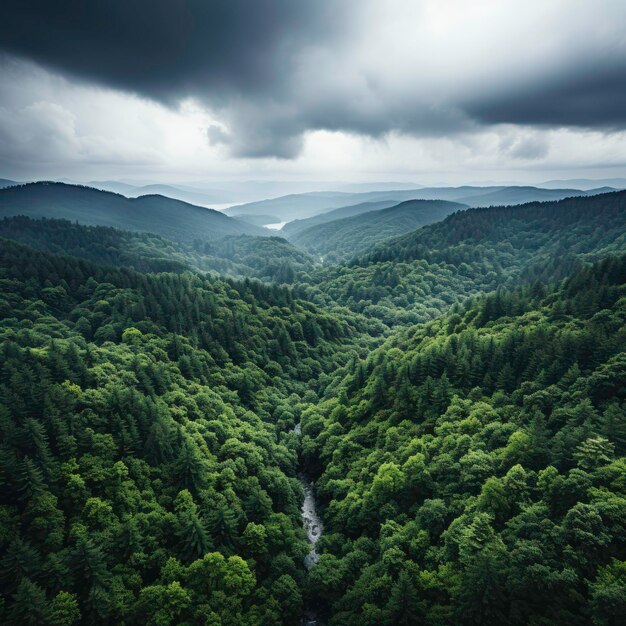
(272, 70)
(166, 49)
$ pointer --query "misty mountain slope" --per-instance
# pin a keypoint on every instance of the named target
(297, 226)
(414, 277)
(586, 183)
(305, 205)
(293, 206)
(156, 214)
(521, 195)
(302, 206)
(178, 192)
(494, 195)
(5, 182)
(343, 239)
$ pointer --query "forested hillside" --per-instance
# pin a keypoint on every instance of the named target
(157, 214)
(147, 474)
(342, 239)
(472, 469)
(415, 277)
(297, 226)
(463, 423)
(291, 333)
(266, 258)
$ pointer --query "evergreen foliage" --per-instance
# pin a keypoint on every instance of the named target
(469, 464)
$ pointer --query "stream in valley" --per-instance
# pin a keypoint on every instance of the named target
(314, 528)
(312, 522)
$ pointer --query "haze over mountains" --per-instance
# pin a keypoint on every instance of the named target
(326, 224)
(153, 213)
(302, 206)
(297, 225)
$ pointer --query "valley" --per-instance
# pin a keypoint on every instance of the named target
(203, 423)
(313, 313)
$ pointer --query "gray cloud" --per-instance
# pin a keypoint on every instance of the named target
(165, 48)
(592, 94)
(273, 69)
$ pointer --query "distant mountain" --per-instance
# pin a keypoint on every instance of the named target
(5, 182)
(185, 194)
(155, 214)
(297, 226)
(345, 238)
(304, 206)
(293, 206)
(585, 183)
(508, 196)
(373, 186)
(115, 186)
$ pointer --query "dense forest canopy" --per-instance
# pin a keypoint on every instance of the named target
(472, 469)
(271, 259)
(456, 394)
(145, 442)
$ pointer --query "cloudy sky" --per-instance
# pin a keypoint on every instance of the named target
(407, 90)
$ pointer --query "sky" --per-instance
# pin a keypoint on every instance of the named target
(427, 91)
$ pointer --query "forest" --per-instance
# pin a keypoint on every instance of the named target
(456, 394)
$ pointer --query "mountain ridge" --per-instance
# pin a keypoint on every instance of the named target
(154, 213)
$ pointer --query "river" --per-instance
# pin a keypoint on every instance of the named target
(314, 528)
(312, 522)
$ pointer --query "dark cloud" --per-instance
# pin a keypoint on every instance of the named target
(251, 61)
(166, 48)
(591, 95)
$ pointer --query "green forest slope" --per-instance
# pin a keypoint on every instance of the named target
(342, 239)
(461, 396)
(266, 258)
(415, 277)
(148, 470)
(157, 214)
(472, 469)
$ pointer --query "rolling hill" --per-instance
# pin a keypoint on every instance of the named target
(294, 206)
(297, 226)
(519, 195)
(174, 219)
(345, 238)
(259, 220)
